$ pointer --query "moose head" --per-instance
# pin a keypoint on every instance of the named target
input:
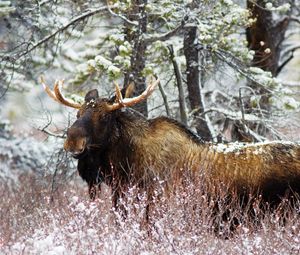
(92, 129)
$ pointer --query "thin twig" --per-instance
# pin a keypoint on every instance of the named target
(46, 131)
(258, 104)
(8, 83)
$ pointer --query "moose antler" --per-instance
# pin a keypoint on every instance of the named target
(57, 95)
(120, 102)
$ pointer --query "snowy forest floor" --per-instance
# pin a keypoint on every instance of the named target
(33, 223)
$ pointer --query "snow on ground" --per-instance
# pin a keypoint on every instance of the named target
(74, 225)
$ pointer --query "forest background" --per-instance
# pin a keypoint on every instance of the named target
(227, 69)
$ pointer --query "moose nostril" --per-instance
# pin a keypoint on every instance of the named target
(81, 151)
(75, 145)
(78, 154)
(80, 147)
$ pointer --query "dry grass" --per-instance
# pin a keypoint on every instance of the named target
(185, 222)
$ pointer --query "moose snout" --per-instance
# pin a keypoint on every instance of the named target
(76, 146)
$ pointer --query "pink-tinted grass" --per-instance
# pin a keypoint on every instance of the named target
(182, 222)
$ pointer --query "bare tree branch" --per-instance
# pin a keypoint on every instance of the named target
(81, 17)
(237, 65)
(166, 36)
(259, 6)
(258, 104)
(290, 83)
(257, 137)
(295, 19)
(178, 75)
(242, 105)
(290, 51)
(232, 114)
(2, 78)
(44, 2)
(165, 99)
(46, 131)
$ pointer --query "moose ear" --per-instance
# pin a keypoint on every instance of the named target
(92, 94)
(126, 92)
(129, 90)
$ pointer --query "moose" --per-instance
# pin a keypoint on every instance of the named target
(118, 146)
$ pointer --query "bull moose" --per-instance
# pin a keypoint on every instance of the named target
(118, 146)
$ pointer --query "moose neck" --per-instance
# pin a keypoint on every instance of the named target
(126, 127)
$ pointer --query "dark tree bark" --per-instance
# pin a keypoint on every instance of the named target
(265, 33)
(193, 81)
(138, 58)
(268, 31)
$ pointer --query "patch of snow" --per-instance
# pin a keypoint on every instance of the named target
(238, 146)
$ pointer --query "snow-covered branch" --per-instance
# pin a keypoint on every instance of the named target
(290, 83)
(238, 66)
(295, 19)
(290, 51)
(166, 36)
(127, 21)
(75, 20)
(234, 115)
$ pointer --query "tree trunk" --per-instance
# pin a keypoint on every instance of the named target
(193, 81)
(138, 58)
(265, 33)
(265, 37)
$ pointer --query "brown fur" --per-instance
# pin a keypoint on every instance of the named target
(122, 148)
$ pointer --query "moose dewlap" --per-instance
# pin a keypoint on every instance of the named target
(117, 146)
